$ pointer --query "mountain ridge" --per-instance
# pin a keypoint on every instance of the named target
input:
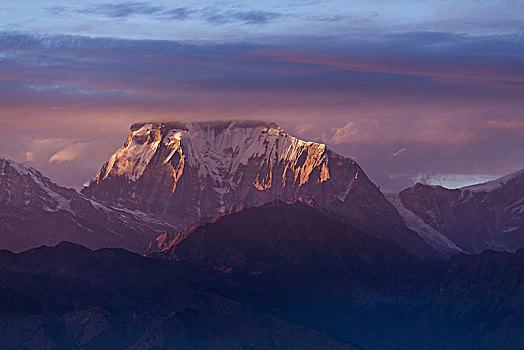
(469, 301)
(36, 211)
(475, 218)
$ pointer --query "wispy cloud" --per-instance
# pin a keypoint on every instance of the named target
(216, 15)
(452, 180)
(123, 9)
(179, 13)
(347, 134)
(75, 151)
(247, 17)
(241, 21)
(399, 152)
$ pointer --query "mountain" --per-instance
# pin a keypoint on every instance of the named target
(70, 297)
(35, 211)
(375, 294)
(307, 266)
(184, 172)
(310, 267)
(279, 236)
(473, 218)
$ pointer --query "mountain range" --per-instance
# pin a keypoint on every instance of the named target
(168, 176)
(239, 235)
(184, 172)
(369, 293)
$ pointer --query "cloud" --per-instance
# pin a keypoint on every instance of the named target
(57, 10)
(330, 19)
(211, 14)
(180, 13)
(506, 124)
(255, 17)
(123, 9)
(454, 180)
(400, 151)
(251, 17)
(75, 151)
(345, 134)
(30, 156)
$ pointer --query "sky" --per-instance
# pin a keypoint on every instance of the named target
(414, 90)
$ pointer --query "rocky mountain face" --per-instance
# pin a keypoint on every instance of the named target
(35, 211)
(473, 218)
(184, 172)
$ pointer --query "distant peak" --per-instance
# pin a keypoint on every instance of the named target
(10, 161)
(62, 247)
(22, 169)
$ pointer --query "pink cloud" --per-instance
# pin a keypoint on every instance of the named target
(400, 151)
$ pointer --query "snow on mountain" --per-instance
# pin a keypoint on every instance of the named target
(54, 200)
(36, 188)
(216, 149)
(36, 211)
(186, 171)
(428, 233)
(475, 218)
(217, 153)
(494, 184)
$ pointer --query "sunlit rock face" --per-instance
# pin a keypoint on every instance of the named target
(217, 163)
(36, 211)
(187, 171)
(474, 218)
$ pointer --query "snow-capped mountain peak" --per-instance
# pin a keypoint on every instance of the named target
(36, 187)
(35, 211)
(184, 172)
(216, 149)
